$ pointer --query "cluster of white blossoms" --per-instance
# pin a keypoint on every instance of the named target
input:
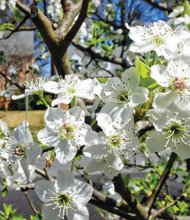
(171, 71)
(106, 142)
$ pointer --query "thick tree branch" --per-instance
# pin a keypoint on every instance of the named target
(58, 40)
(74, 29)
(45, 28)
(71, 12)
(67, 6)
(23, 8)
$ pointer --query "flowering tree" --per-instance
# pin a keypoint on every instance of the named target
(138, 117)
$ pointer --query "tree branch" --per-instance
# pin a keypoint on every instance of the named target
(23, 8)
(160, 211)
(94, 55)
(8, 79)
(70, 14)
(67, 6)
(161, 6)
(161, 182)
(31, 203)
(109, 204)
(17, 28)
(112, 209)
(74, 29)
(138, 209)
(45, 28)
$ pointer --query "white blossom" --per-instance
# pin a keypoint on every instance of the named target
(177, 16)
(70, 87)
(66, 131)
(116, 142)
(65, 196)
(172, 130)
(175, 78)
(31, 87)
(14, 176)
(96, 3)
(157, 36)
(20, 149)
(122, 95)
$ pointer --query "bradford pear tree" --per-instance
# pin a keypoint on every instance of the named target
(133, 120)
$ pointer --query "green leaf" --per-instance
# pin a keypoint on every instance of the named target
(142, 68)
(144, 71)
(107, 48)
(73, 102)
(6, 26)
(186, 6)
(18, 15)
(126, 180)
(4, 188)
(102, 79)
(36, 217)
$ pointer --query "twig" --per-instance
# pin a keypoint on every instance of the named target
(101, 197)
(125, 31)
(9, 80)
(45, 7)
(112, 23)
(160, 211)
(31, 203)
(17, 28)
(41, 173)
(49, 177)
(161, 182)
(47, 149)
(142, 131)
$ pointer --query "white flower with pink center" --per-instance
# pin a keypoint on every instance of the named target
(175, 78)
